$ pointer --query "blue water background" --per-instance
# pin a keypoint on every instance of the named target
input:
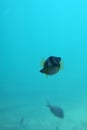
(30, 31)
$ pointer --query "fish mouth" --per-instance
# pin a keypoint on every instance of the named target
(42, 70)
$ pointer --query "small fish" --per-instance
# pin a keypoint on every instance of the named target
(56, 128)
(57, 111)
(21, 121)
(51, 65)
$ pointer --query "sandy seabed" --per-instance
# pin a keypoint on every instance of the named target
(40, 118)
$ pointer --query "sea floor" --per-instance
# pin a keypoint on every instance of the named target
(26, 117)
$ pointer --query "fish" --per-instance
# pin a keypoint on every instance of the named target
(56, 110)
(21, 121)
(51, 65)
(56, 128)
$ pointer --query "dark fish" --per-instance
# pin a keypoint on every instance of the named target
(57, 111)
(57, 128)
(51, 66)
(21, 121)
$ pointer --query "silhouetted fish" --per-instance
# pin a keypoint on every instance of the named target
(21, 121)
(57, 111)
(57, 128)
(51, 65)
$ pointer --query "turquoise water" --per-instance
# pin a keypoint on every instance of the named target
(30, 31)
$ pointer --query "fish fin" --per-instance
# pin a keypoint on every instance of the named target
(42, 62)
(61, 65)
(46, 76)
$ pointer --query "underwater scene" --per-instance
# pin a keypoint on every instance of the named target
(43, 65)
